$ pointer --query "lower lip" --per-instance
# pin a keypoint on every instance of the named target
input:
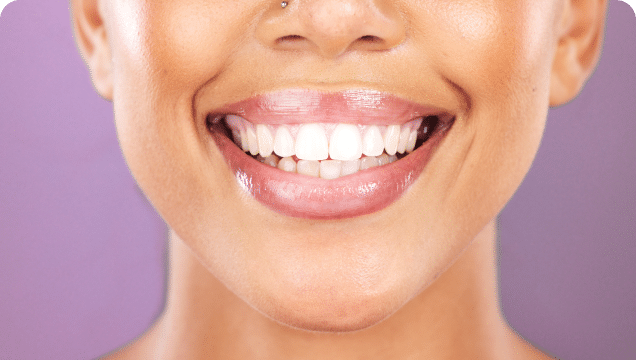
(302, 196)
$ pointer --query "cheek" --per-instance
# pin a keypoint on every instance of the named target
(164, 52)
(191, 37)
(498, 53)
(492, 49)
(176, 46)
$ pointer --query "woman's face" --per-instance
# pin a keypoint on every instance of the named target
(330, 254)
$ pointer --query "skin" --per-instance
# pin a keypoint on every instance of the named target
(414, 280)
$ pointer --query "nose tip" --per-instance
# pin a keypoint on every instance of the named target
(336, 26)
(333, 27)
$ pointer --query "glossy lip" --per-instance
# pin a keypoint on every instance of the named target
(356, 106)
(302, 196)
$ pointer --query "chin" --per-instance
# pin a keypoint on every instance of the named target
(341, 298)
(329, 313)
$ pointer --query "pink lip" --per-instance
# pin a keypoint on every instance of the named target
(303, 196)
(359, 106)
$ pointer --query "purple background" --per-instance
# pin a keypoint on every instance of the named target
(81, 250)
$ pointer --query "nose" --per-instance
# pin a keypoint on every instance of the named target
(332, 27)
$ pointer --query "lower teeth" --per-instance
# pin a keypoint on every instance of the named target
(326, 169)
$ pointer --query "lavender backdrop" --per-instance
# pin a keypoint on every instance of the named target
(81, 251)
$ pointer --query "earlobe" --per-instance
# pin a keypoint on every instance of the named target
(578, 49)
(93, 45)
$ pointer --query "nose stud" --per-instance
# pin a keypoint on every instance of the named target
(283, 4)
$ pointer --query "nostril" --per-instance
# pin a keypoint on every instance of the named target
(370, 39)
(368, 42)
(332, 27)
(290, 39)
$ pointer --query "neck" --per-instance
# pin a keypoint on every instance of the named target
(458, 316)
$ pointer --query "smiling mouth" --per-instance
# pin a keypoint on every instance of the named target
(320, 155)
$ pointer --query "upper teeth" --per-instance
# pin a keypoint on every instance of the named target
(345, 142)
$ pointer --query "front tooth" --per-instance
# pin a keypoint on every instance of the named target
(350, 167)
(265, 140)
(311, 143)
(368, 162)
(372, 143)
(287, 164)
(391, 139)
(252, 141)
(345, 143)
(308, 167)
(330, 169)
(410, 144)
(392, 158)
(404, 139)
(283, 143)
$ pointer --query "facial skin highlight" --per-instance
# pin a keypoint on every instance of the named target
(496, 65)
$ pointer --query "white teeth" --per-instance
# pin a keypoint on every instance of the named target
(308, 167)
(330, 169)
(404, 139)
(391, 139)
(326, 169)
(350, 167)
(345, 143)
(245, 146)
(287, 164)
(311, 143)
(252, 140)
(372, 143)
(383, 159)
(236, 135)
(271, 160)
(368, 162)
(265, 140)
(412, 140)
(410, 144)
(234, 122)
(284, 143)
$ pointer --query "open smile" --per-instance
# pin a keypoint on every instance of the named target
(319, 155)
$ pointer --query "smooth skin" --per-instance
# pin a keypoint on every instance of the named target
(416, 280)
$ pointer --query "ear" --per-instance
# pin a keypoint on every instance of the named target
(92, 42)
(580, 38)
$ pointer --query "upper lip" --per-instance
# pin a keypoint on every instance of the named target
(354, 106)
